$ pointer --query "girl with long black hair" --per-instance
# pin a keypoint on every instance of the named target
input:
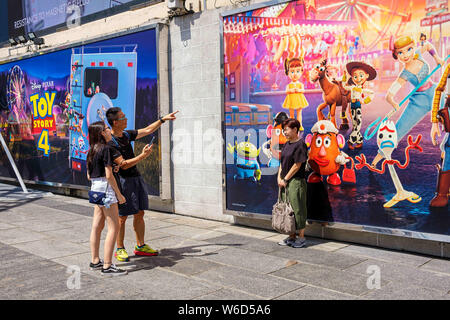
(100, 161)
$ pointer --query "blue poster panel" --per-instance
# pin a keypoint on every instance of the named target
(367, 82)
(48, 101)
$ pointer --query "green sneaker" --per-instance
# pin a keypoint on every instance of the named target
(145, 250)
(121, 255)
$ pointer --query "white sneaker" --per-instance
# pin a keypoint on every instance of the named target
(286, 242)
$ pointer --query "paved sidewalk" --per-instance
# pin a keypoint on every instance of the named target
(45, 237)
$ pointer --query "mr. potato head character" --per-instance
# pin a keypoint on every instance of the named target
(325, 156)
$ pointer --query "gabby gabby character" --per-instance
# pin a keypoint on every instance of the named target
(387, 141)
(246, 164)
(325, 157)
(295, 99)
(272, 148)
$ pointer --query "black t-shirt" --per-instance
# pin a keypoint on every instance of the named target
(294, 153)
(102, 158)
(123, 145)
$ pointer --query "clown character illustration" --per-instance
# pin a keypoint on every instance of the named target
(443, 182)
(272, 148)
(246, 164)
(417, 72)
(359, 73)
(325, 157)
(387, 142)
(295, 99)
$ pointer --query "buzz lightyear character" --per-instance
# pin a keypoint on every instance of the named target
(387, 142)
(246, 164)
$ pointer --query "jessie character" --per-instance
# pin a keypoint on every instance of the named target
(360, 73)
(295, 99)
(272, 148)
(325, 157)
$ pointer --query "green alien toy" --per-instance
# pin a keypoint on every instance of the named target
(246, 163)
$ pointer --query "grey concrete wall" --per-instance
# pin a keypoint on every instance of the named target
(196, 92)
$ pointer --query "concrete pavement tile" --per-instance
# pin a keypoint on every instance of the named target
(14, 215)
(254, 261)
(79, 232)
(76, 208)
(23, 266)
(325, 277)
(245, 231)
(19, 235)
(185, 247)
(385, 255)
(231, 240)
(314, 293)
(209, 234)
(40, 226)
(190, 266)
(52, 248)
(324, 244)
(141, 262)
(4, 226)
(398, 273)
(438, 265)
(187, 231)
(228, 294)
(160, 284)
(158, 215)
(154, 224)
(80, 260)
(196, 222)
(262, 246)
(276, 238)
(34, 212)
(398, 291)
(262, 285)
(319, 257)
(36, 278)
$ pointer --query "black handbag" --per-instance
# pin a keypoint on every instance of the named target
(98, 197)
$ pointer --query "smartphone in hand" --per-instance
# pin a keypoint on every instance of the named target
(151, 142)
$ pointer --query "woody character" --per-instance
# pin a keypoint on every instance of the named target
(442, 116)
(359, 73)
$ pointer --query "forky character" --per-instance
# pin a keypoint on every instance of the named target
(325, 156)
(387, 143)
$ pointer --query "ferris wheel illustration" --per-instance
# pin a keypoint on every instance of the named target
(375, 21)
(15, 90)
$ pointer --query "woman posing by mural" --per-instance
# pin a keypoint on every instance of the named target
(295, 99)
(291, 177)
(415, 70)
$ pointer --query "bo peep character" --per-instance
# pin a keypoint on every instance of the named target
(415, 70)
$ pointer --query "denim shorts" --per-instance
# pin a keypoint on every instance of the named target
(100, 185)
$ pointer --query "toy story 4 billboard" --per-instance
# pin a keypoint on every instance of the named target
(368, 83)
(48, 101)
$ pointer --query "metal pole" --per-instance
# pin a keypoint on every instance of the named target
(11, 160)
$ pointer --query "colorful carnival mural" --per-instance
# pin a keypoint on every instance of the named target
(377, 70)
(48, 102)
